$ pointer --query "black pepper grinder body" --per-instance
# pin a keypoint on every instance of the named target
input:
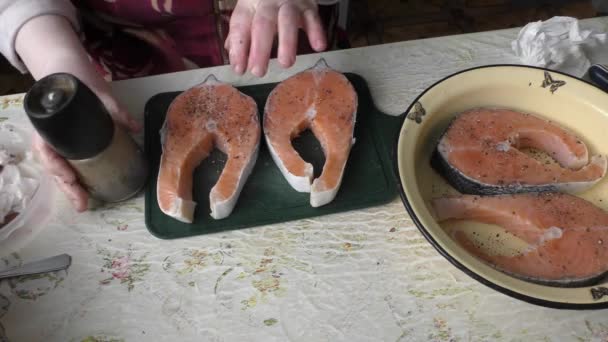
(76, 124)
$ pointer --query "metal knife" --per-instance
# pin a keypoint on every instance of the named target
(56, 263)
(598, 75)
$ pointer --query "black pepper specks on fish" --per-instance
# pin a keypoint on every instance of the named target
(512, 172)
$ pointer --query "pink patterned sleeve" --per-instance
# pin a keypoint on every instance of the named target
(15, 13)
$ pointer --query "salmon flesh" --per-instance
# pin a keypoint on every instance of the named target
(209, 115)
(325, 102)
(480, 153)
(567, 235)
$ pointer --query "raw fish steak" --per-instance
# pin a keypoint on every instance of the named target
(567, 235)
(324, 101)
(209, 115)
(480, 153)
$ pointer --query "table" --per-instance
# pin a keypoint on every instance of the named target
(367, 275)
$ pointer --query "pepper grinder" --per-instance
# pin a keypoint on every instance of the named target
(76, 124)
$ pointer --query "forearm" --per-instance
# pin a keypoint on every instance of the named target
(48, 44)
(15, 13)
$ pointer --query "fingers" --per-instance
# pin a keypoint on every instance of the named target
(63, 173)
(239, 37)
(254, 24)
(120, 114)
(123, 117)
(314, 29)
(52, 161)
(288, 23)
(263, 30)
(227, 42)
(75, 193)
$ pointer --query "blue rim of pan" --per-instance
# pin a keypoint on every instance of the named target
(437, 246)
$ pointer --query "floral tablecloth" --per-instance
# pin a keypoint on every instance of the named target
(367, 275)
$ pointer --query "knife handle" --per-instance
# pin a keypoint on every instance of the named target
(56, 263)
(598, 74)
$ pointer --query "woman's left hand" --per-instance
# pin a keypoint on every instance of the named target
(254, 24)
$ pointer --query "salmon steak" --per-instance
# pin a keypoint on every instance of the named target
(481, 153)
(325, 102)
(566, 235)
(208, 115)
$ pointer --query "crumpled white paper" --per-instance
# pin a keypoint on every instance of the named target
(560, 44)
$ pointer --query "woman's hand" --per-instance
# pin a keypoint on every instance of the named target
(254, 24)
(64, 174)
(46, 45)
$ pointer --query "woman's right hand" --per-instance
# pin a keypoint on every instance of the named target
(48, 44)
(64, 175)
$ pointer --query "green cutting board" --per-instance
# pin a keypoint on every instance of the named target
(267, 197)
